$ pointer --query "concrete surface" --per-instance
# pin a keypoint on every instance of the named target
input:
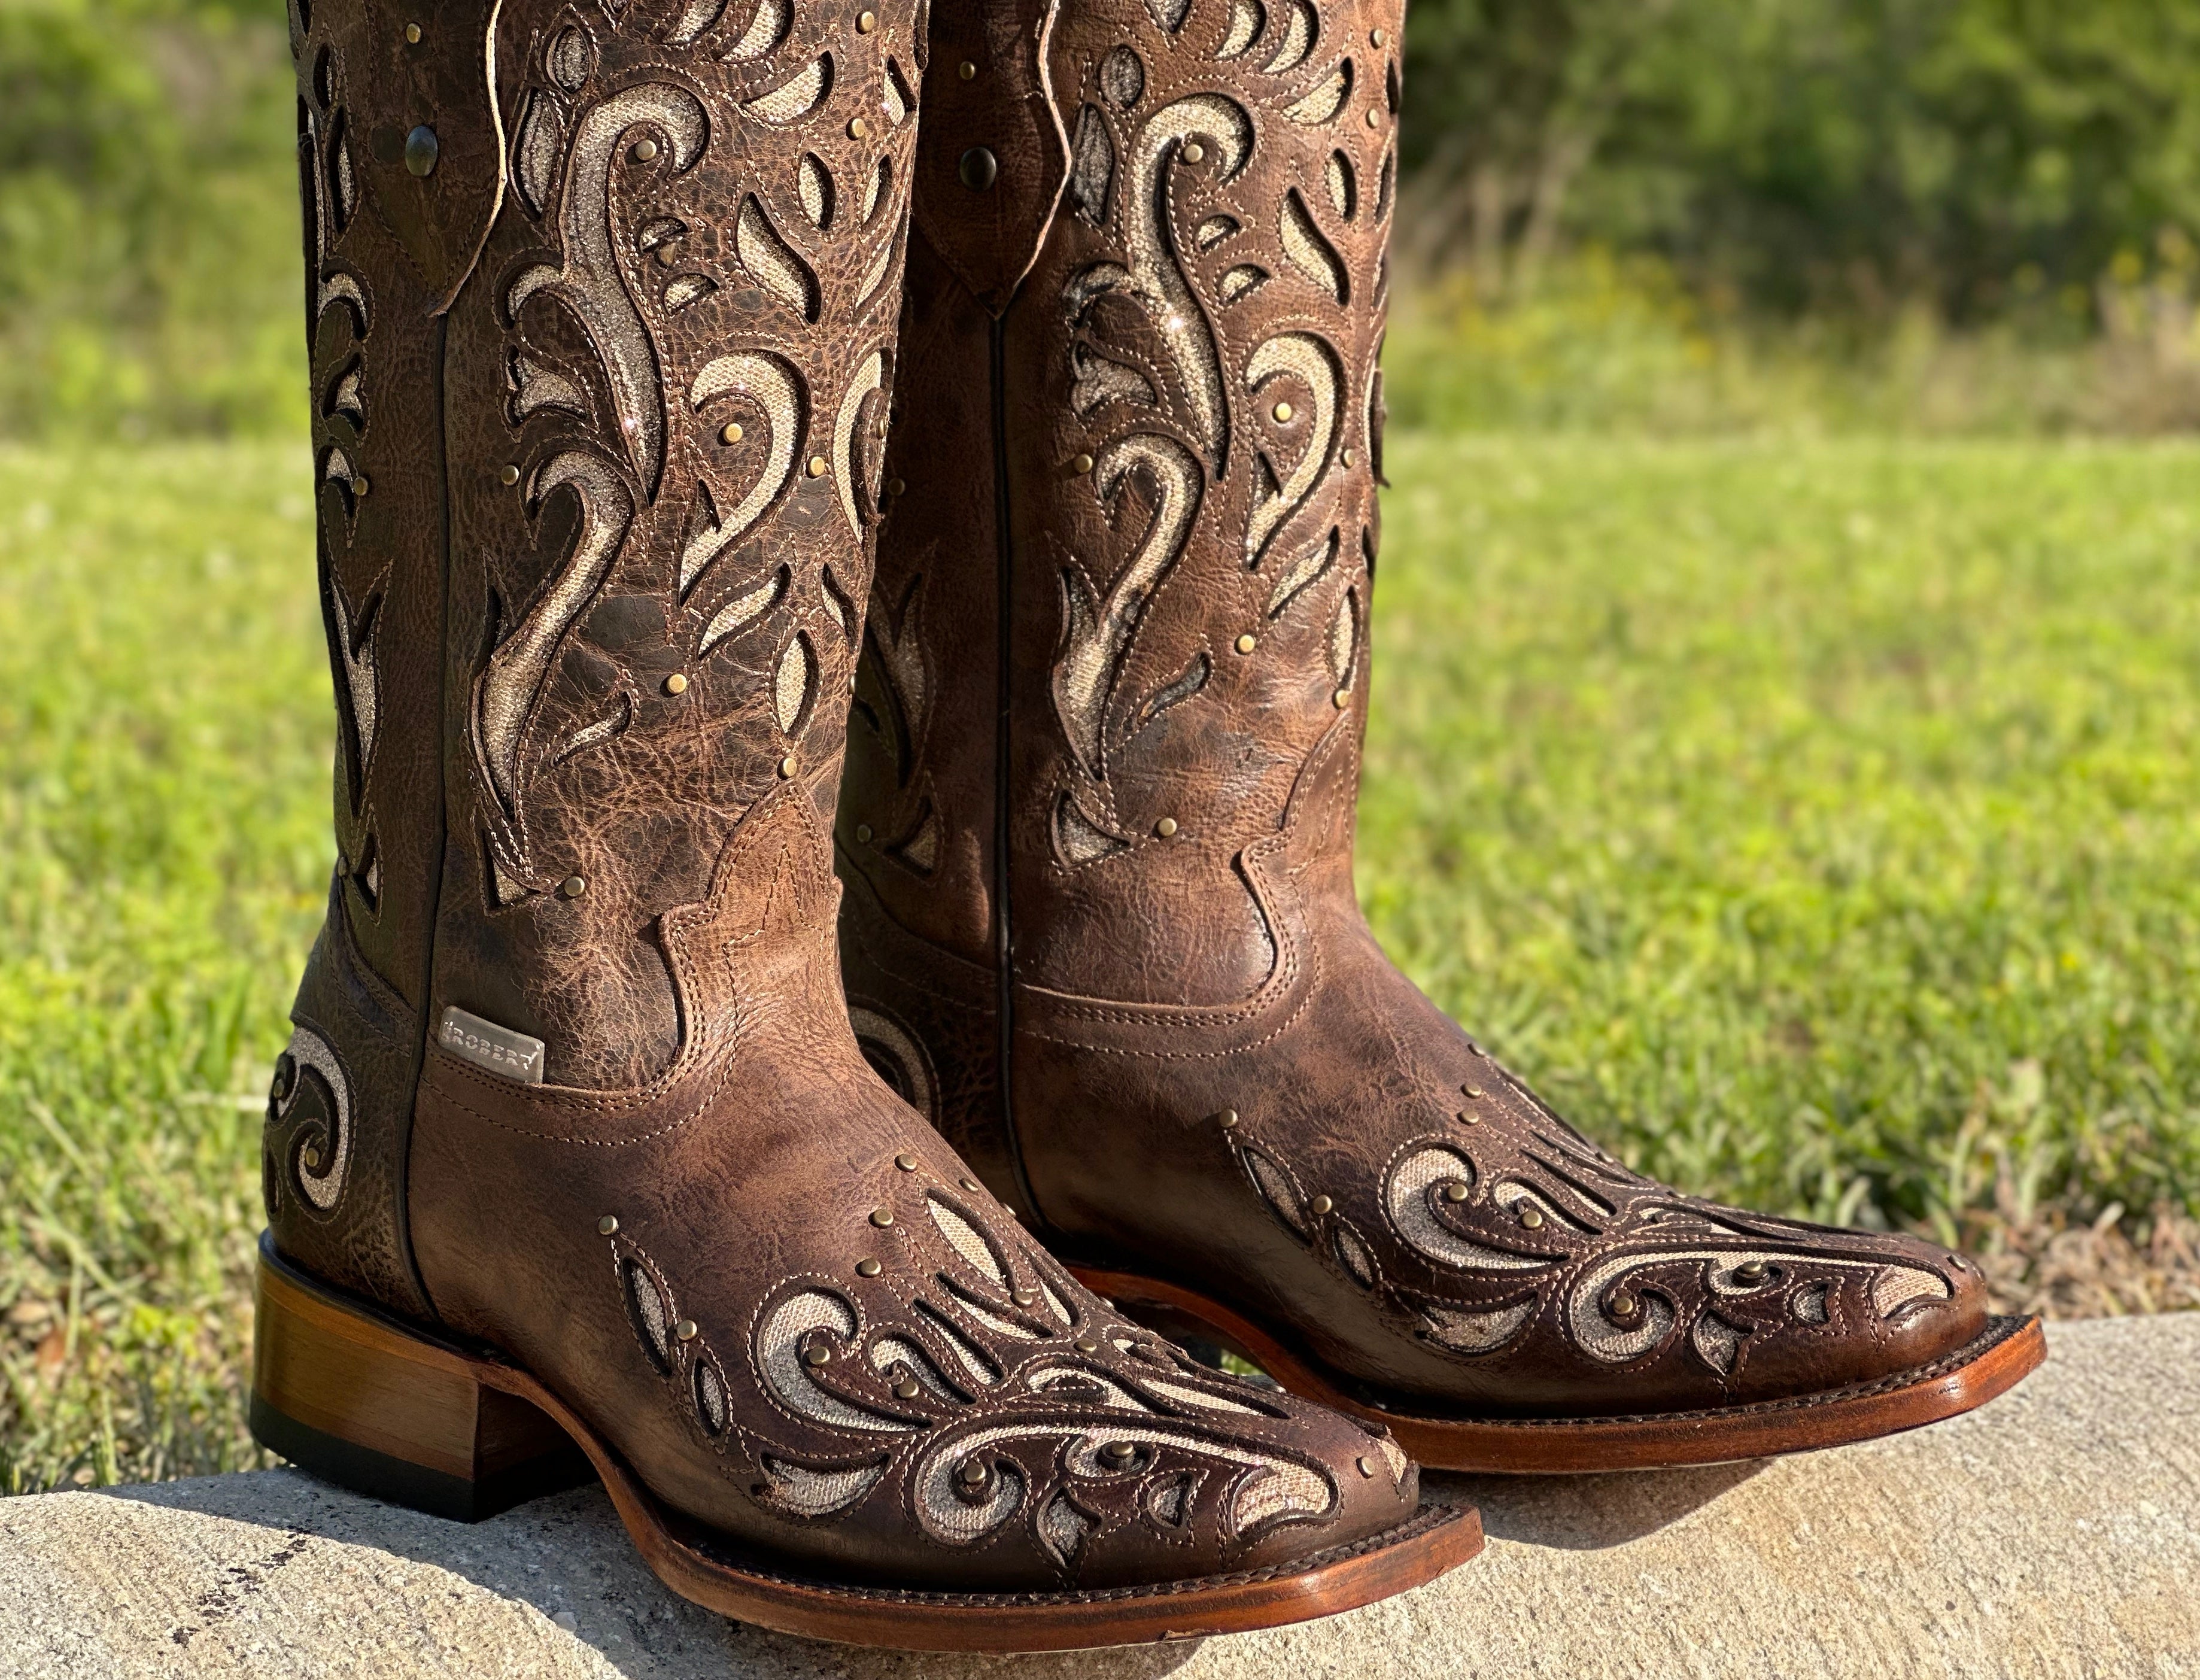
(2055, 1533)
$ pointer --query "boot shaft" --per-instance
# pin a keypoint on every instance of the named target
(602, 307)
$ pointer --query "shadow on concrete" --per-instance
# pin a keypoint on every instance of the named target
(1587, 1514)
(567, 1556)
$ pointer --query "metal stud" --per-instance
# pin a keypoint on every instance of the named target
(1119, 1452)
(882, 1217)
(1194, 152)
(1347, 456)
(1080, 463)
(422, 148)
(1368, 1466)
(1321, 1204)
(1531, 1217)
(1456, 1192)
(1246, 644)
(971, 1474)
(895, 487)
(1085, 1344)
(818, 465)
(1470, 1119)
(730, 432)
(1228, 1119)
(311, 1157)
(1341, 698)
(1374, 120)
(1283, 411)
(970, 1184)
(906, 1162)
(866, 22)
(868, 1268)
(508, 473)
(1375, 38)
(967, 70)
(1751, 1271)
(863, 834)
(412, 34)
(358, 487)
(907, 1389)
(1624, 1305)
(978, 169)
(1165, 827)
(572, 886)
(1024, 1297)
(675, 684)
(607, 1225)
(787, 766)
(668, 254)
(686, 1330)
(817, 1353)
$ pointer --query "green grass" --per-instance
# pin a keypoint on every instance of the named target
(1819, 821)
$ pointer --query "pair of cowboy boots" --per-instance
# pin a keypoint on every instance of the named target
(676, 386)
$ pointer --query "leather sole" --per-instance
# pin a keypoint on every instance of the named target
(2006, 1351)
(353, 1396)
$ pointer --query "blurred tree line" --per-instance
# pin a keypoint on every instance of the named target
(1989, 161)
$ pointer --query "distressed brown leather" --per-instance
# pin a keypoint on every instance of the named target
(1098, 828)
(596, 529)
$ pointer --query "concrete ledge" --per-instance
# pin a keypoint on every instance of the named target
(2055, 1533)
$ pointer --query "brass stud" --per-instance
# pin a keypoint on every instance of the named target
(1531, 1217)
(675, 684)
(971, 1474)
(572, 886)
(1321, 1204)
(1368, 1466)
(1374, 119)
(817, 1353)
(882, 1217)
(1624, 1305)
(1080, 463)
(730, 432)
(1119, 1452)
(607, 1225)
(858, 128)
(358, 487)
(1473, 1092)
(970, 1184)
(1025, 1297)
(1228, 1119)
(868, 1268)
(686, 1330)
(817, 467)
(311, 1157)
(863, 834)
(866, 22)
(1341, 698)
(508, 473)
(1376, 37)
(906, 1162)
(1165, 827)
(1470, 1119)
(1194, 152)
(422, 148)
(412, 34)
(1246, 644)
(1455, 1192)
(906, 1388)
(967, 70)
(1283, 411)
(1346, 457)
(1751, 1271)
(787, 766)
(895, 487)
(1085, 1344)
(645, 151)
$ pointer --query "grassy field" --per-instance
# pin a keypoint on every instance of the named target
(1818, 823)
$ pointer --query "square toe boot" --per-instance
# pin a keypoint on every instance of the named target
(1101, 925)
(573, 1167)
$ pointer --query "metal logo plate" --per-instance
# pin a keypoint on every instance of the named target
(486, 1045)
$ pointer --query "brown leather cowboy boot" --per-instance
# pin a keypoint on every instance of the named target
(1097, 836)
(573, 1145)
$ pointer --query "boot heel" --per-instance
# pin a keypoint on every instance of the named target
(353, 1397)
